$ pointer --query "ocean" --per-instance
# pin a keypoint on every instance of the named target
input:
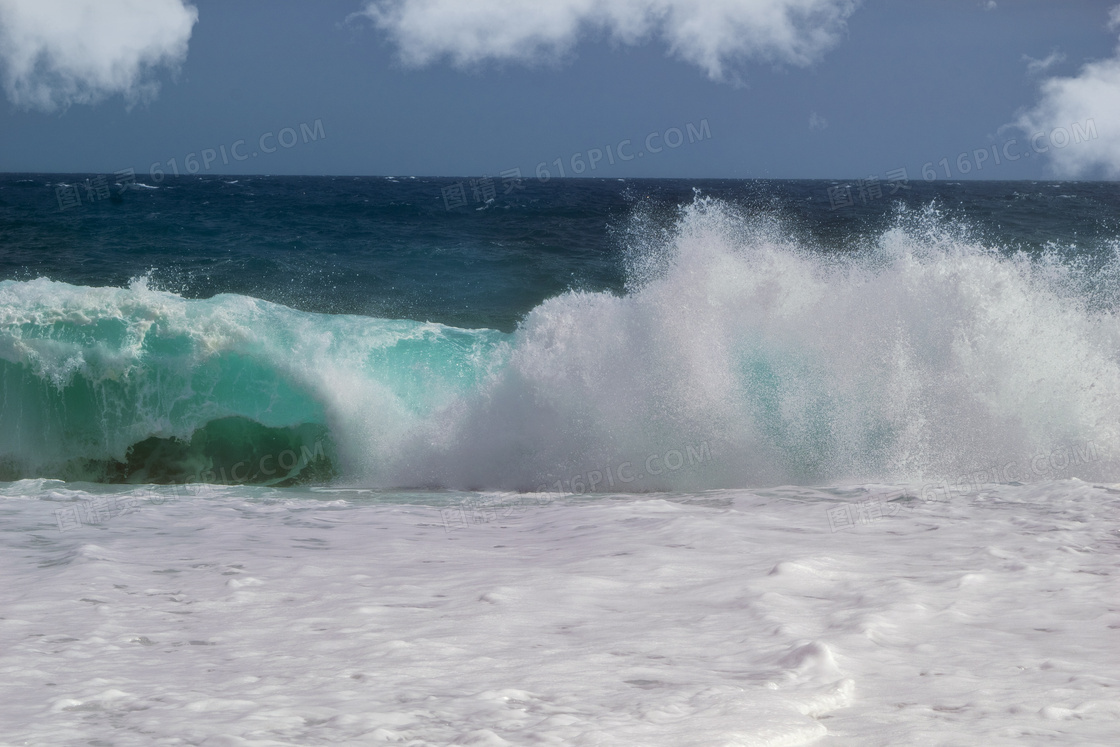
(325, 460)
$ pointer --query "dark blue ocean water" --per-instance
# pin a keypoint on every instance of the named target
(391, 247)
(404, 333)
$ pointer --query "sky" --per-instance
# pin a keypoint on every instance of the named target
(828, 89)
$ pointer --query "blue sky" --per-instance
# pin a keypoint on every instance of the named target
(771, 88)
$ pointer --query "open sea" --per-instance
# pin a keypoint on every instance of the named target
(399, 460)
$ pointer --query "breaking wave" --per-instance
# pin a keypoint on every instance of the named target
(927, 353)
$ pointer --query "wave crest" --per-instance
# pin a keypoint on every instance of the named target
(926, 353)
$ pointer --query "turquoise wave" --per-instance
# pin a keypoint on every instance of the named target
(928, 354)
(139, 385)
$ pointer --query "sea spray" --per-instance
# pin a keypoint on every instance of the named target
(923, 353)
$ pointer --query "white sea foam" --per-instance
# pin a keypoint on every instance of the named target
(257, 616)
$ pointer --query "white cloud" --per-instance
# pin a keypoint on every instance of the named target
(990, 5)
(712, 34)
(817, 122)
(1037, 67)
(1114, 18)
(54, 53)
(1087, 104)
(1092, 98)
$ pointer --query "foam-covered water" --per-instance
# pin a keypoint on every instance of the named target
(283, 616)
(848, 477)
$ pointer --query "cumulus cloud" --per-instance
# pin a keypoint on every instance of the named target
(1037, 67)
(713, 34)
(817, 122)
(54, 53)
(1089, 102)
